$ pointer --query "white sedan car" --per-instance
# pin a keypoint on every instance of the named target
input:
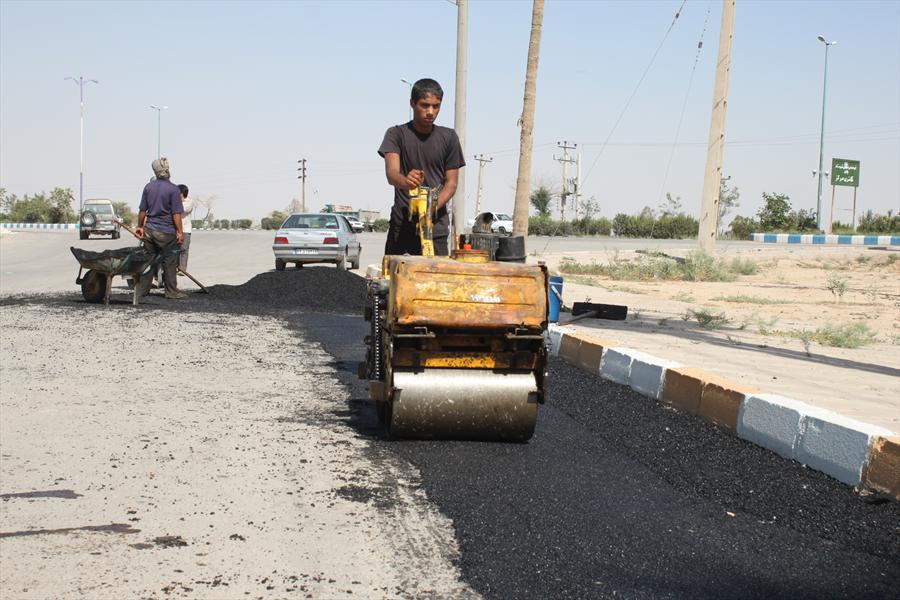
(316, 238)
(501, 223)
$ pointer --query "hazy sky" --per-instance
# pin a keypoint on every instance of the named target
(252, 87)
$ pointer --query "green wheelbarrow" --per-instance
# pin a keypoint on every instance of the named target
(133, 262)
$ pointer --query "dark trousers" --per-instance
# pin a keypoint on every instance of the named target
(165, 244)
(403, 239)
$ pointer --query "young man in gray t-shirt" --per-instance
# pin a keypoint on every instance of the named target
(420, 153)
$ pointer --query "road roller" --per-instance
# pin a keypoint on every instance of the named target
(457, 346)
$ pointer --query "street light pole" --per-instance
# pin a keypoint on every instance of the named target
(158, 110)
(80, 83)
(820, 172)
(410, 97)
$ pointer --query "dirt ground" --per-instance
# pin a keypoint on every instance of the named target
(789, 292)
(182, 457)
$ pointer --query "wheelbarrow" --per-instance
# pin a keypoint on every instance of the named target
(101, 267)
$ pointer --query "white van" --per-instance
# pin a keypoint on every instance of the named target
(98, 216)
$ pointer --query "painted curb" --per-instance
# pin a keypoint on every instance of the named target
(840, 240)
(854, 453)
(40, 226)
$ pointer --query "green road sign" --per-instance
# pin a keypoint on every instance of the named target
(845, 172)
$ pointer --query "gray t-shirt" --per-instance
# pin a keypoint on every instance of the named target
(434, 153)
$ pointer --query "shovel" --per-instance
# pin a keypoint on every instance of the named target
(591, 310)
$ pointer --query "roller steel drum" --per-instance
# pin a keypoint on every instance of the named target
(464, 404)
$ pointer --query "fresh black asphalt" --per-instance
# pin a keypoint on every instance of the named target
(616, 495)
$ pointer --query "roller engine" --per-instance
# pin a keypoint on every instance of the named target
(457, 346)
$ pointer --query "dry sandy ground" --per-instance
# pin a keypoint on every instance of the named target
(759, 344)
(200, 456)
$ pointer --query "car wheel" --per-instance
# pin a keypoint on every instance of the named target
(116, 235)
(82, 234)
(93, 286)
(279, 264)
(298, 265)
(501, 230)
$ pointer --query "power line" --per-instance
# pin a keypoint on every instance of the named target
(636, 87)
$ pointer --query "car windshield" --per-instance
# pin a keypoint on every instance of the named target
(105, 209)
(503, 217)
(311, 222)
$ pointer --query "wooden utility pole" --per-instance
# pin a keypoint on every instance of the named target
(526, 138)
(459, 115)
(302, 178)
(712, 179)
(481, 162)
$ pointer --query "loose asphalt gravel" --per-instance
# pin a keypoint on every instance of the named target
(616, 494)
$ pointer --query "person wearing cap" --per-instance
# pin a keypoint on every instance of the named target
(159, 224)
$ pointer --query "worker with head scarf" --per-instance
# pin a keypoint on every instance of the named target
(159, 224)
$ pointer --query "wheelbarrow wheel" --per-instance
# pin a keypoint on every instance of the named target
(93, 286)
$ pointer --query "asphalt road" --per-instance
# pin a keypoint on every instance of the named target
(616, 495)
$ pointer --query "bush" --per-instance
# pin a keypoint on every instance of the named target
(602, 226)
(273, 221)
(241, 223)
(873, 223)
(381, 225)
(742, 227)
(774, 215)
(198, 223)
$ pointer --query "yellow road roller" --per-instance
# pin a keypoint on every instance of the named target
(457, 346)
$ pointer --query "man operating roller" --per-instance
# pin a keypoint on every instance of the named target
(420, 153)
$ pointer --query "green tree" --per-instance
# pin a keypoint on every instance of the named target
(774, 216)
(273, 221)
(123, 210)
(61, 206)
(540, 199)
(728, 201)
(31, 209)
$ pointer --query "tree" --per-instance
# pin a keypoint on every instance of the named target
(61, 206)
(540, 200)
(526, 138)
(672, 205)
(123, 210)
(728, 201)
(207, 203)
(774, 215)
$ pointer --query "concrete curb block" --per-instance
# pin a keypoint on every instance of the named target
(831, 239)
(40, 226)
(882, 470)
(850, 451)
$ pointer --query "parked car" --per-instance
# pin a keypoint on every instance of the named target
(306, 238)
(356, 224)
(501, 223)
(98, 216)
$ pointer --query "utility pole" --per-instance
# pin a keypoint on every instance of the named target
(565, 160)
(302, 178)
(826, 227)
(712, 179)
(80, 82)
(577, 183)
(459, 111)
(526, 123)
(481, 162)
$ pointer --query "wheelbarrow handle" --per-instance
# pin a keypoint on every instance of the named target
(189, 276)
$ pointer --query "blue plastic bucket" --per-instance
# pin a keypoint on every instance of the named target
(556, 288)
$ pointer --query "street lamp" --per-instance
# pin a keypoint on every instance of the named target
(158, 110)
(80, 83)
(410, 96)
(821, 173)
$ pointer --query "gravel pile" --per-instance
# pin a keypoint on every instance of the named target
(316, 289)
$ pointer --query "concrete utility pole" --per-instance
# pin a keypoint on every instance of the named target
(80, 82)
(526, 137)
(459, 124)
(565, 160)
(481, 162)
(712, 179)
(820, 173)
(302, 178)
(577, 183)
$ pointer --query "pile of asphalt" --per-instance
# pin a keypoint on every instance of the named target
(320, 289)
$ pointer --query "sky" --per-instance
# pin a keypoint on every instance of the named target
(252, 87)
